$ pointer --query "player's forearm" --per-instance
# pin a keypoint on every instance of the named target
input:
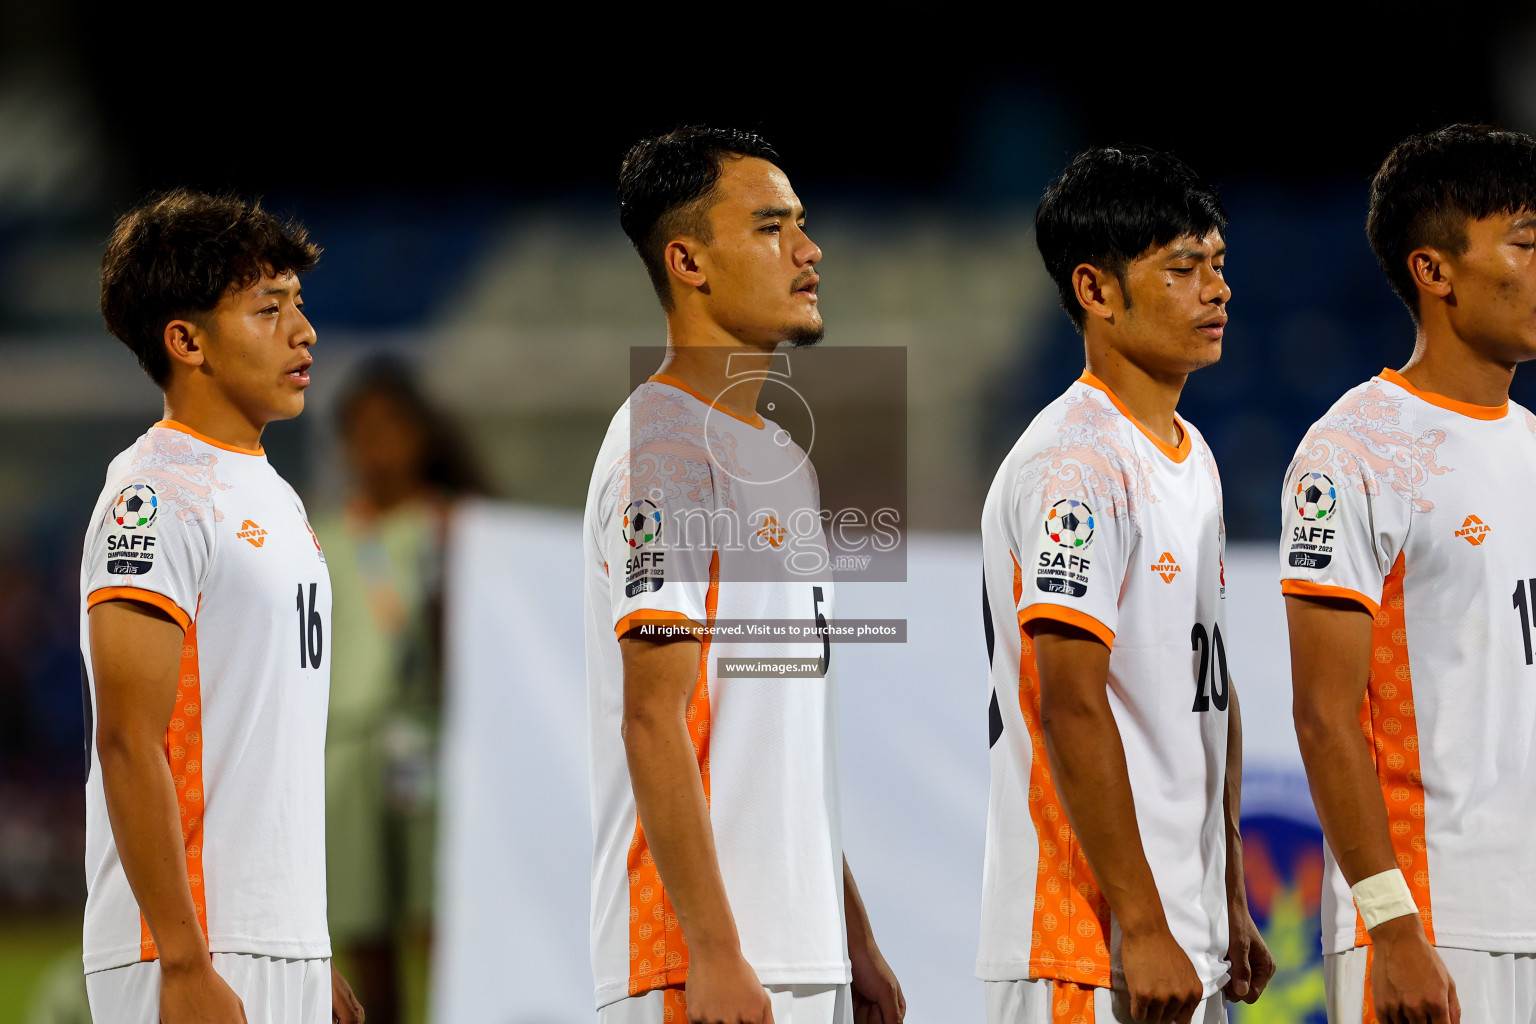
(1345, 791)
(1087, 761)
(670, 799)
(146, 827)
(1331, 652)
(857, 918)
(1232, 803)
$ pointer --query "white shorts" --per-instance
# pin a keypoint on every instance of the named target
(1044, 1001)
(274, 991)
(792, 1004)
(1496, 987)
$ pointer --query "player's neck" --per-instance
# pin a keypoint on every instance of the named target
(212, 417)
(1150, 397)
(716, 364)
(1444, 364)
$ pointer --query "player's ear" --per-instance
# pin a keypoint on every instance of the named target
(1431, 271)
(184, 343)
(684, 259)
(1098, 291)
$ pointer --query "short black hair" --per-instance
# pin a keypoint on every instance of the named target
(665, 184)
(1112, 205)
(1430, 185)
(175, 257)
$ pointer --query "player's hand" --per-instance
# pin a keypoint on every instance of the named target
(1409, 981)
(877, 997)
(724, 990)
(1161, 982)
(1252, 965)
(195, 994)
(345, 1009)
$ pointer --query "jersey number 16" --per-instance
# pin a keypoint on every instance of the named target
(311, 631)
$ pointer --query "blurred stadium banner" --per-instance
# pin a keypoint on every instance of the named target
(516, 833)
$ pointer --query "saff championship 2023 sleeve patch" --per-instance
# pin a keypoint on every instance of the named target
(1314, 500)
(131, 531)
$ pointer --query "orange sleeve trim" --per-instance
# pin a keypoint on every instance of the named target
(1072, 617)
(173, 425)
(635, 619)
(160, 601)
(1477, 412)
(1306, 588)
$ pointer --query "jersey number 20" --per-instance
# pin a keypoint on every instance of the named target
(1200, 640)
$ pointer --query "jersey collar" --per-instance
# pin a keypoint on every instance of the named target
(1477, 412)
(672, 382)
(173, 425)
(1177, 454)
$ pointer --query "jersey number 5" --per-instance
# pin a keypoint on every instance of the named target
(1203, 642)
(311, 631)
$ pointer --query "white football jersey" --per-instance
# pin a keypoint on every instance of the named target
(1418, 507)
(211, 535)
(1094, 522)
(696, 517)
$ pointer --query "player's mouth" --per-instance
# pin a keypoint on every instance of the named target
(1213, 328)
(806, 286)
(300, 373)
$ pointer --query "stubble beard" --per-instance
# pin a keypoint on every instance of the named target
(805, 335)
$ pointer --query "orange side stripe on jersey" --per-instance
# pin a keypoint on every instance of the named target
(1306, 588)
(1368, 1005)
(1071, 1003)
(1069, 936)
(1477, 412)
(160, 601)
(1387, 718)
(671, 381)
(658, 953)
(1072, 617)
(184, 754)
(1177, 453)
(640, 618)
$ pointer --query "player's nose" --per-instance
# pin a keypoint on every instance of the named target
(1218, 291)
(807, 253)
(305, 335)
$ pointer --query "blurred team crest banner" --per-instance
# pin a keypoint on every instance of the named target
(1283, 862)
(840, 415)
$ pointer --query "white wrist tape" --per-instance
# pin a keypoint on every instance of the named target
(1383, 897)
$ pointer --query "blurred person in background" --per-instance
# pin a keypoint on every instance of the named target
(1408, 563)
(406, 467)
(205, 824)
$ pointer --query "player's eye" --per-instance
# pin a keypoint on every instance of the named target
(271, 309)
(771, 229)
